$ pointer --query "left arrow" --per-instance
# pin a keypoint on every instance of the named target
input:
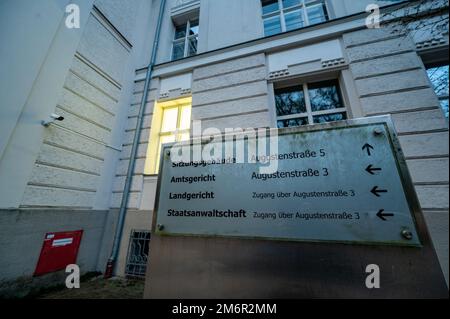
(377, 191)
(382, 215)
(370, 169)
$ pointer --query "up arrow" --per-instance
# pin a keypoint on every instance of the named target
(367, 147)
(376, 191)
(382, 215)
(370, 169)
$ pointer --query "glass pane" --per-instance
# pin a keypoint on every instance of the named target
(329, 117)
(185, 121)
(292, 122)
(178, 50)
(192, 50)
(317, 14)
(167, 139)
(290, 101)
(324, 96)
(294, 20)
(269, 6)
(290, 3)
(444, 106)
(169, 122)
(180, 31)
(184, 137)
(272, 26)
(439, 78)
(193, 27)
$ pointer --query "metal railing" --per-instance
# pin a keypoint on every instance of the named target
(137, 256)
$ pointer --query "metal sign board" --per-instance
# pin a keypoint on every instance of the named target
(339, 182)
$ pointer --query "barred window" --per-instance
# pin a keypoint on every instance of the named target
(138, 249)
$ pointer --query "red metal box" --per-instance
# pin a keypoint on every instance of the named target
(59, 250)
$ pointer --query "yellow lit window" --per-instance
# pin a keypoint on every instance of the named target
(171, 123)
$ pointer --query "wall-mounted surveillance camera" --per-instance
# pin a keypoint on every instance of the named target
(57, 117)
(53, 117)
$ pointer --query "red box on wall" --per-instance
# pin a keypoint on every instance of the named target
(59, 250)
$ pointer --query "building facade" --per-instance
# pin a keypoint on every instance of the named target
(225, 63)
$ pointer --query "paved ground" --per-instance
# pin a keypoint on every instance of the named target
(99, 288)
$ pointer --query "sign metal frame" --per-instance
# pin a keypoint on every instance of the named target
(405, 177)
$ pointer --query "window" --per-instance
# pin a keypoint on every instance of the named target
(185, 40)
(171, 123)
(309, 103)
(137, 254)
(176, 123)
(285, 15)
(439, 78)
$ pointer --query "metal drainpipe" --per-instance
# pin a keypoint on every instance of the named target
(123, 205)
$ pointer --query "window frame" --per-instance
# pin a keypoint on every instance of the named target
(185, 40)
(440, 97)
(433, 58)
(153, 152)
(178, 132)
(303, 6)
(310, 114)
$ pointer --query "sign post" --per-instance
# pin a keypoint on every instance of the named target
(337, 188)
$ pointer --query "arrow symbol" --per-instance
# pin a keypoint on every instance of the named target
(367, 147)
(376, 191)
(382, 215)
(370, 169)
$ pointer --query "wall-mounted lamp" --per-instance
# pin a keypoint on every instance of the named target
(53, 117)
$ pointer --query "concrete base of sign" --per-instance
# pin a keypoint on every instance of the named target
(192, 267)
